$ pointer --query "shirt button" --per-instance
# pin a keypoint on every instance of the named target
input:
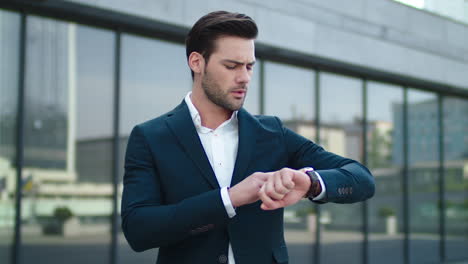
(222, 258)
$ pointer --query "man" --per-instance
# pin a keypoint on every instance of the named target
(206, 182)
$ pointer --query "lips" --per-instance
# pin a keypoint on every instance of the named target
(239, 93)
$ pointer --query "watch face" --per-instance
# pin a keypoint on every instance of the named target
(312, 174)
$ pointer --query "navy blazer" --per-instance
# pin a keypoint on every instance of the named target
(171, 199)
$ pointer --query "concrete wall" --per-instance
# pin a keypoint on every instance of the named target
(381, 34)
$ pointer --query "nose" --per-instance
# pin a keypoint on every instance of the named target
(243, 76)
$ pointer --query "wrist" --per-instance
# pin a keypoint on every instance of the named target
(232, 195)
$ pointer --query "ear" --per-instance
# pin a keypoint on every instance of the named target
(196, 62)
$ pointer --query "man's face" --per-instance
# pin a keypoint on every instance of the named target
(227, 74)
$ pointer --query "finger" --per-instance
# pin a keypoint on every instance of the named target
(301, 180)
(265, 198)
(270, 189)
(273, 205)
(279, 184)
(262, 176)
(287, 179)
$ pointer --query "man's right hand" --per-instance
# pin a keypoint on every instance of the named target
(246, 191)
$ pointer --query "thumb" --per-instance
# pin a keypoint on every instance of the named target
(300, 178)
(265, 207)
(263, 176)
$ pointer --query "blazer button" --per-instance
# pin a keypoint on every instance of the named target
(222, 259)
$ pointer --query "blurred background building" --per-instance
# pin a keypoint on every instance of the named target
(380, 81)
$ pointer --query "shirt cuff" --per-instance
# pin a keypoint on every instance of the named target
(321, 196)
(227, 202)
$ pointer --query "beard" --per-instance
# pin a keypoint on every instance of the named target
(221, 98)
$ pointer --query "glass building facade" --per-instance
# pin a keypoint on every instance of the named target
(72, 90)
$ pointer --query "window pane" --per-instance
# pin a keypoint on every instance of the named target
(455, 114)
(155, 79)
(341, 133)
(423, 161)
(290, 94)
(67, 194)
(9, 55)
(384, 149)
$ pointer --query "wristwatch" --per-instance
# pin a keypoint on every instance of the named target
(315, 187)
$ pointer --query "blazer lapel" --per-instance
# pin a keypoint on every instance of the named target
(181, 124)
(247, 139)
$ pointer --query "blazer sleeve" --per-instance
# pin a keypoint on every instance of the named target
(346, 180)
(146, 221)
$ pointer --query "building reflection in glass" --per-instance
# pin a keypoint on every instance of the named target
(385, 117)
(290, 95)
(455, 131)
(9, 50)
(341, 116)
(67, 190)
(423, 176)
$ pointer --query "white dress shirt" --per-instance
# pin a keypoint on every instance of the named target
(220, 146)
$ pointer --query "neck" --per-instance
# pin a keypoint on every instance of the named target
(211, 115)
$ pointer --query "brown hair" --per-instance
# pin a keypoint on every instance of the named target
(201, 38)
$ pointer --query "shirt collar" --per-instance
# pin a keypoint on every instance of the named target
(231, 123)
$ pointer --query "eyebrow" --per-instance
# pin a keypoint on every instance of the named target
(238, 62)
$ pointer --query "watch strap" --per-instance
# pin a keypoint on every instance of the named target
(315, 187)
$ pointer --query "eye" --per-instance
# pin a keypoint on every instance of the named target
(229, 67)
(250, 67)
